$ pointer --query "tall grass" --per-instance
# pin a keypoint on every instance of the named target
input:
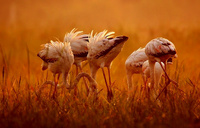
(32, 24)
(22, 107)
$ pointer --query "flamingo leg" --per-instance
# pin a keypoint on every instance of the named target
(76, 88)
(56, 83)
(76, 70)
(145, 84)
(166, 78)
(84, 80)
(167, 83)
(109, 91)
(109, 75)
(129, 75)
(105, 80)
(152, 73)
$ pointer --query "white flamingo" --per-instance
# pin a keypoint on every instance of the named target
(159, 50)
(102, 49)
(79, 48)
(59, 58)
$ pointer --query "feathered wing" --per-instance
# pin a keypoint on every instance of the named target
(99, 42)
(71, 35)
(53, 51)
(159, 47)
(78, 42)
(137, 58)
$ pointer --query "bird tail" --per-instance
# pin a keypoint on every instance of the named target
(69, 36)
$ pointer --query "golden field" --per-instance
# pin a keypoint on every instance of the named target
(25, 25)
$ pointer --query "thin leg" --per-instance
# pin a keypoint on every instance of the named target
(166, 78)
(50, 91)
(56, 83)
(109, 91)
(146, 88)
(152, 73)
(105, 80)
(76, 70)
(167, 83)
(76, 88)
(109, 75)
(145, 81)
(129, 80)
(165, 72)
(84, 80)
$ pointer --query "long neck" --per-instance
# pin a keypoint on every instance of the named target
(92, 81)
(152, 72)
(65, 81)
(93, 70)
(129, 79)
(158, 73)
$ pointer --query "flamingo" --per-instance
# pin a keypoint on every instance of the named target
(58, 58)
(102, 49)
(79, 48)
(159, 50)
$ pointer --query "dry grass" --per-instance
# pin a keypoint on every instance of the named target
(21, 75)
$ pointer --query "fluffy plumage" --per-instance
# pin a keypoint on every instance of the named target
(102, 49)
(160, 49)
(58, 57)
(78, 45)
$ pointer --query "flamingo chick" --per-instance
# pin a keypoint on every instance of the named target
(159, 50)
(58, 58)
(102, 49)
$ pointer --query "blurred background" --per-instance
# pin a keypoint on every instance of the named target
(26, 24)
